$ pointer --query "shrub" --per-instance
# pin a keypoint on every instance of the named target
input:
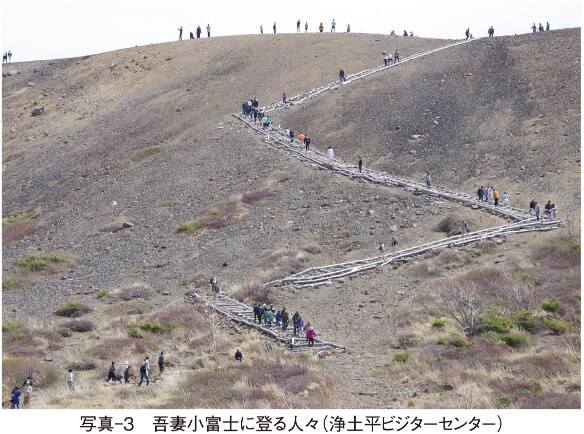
(551, 306)
(253, 291)
(17, 336)
(503, 400)
(441, 342)
(39, 263)
(439, 323)
(312, 249)
(499, 324)
(152, 326)
(526, 320)
(450, 224)
(458, 341)
(406, 340)
(17, 230)
(14, 370)
(401, 357)
(133, 333)
(72, 309)
(557, 326)
(11, 325)
(9, 283)
(276, 177)
(513, 341)
(80, 325)
(164, 203)
(102, 293)
(196, 280)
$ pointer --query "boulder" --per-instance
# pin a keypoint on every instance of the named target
(37, 111)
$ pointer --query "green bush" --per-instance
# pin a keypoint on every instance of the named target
(17, 336)
(513, 341)
(439, 323)
(153, 327)
(189, 227)
(9, 283)
(441, 342)
(551, 306)
(526, 320)
(133, 333)
(557, 326)
(458, 341)
(401, 357)
(102, 293)
(522, 391)
(503, 400)
(496, 323)
(11, 325)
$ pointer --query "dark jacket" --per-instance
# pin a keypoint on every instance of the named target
(15, 397)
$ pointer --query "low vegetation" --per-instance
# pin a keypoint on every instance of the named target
(18, 225)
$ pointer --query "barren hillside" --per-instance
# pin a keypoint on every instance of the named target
(134, 144)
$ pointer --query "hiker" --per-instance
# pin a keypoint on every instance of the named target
(70, 379)
(192, 36)
(261, 29)
(270, 317)
(333, 26)
(341, 76)
(28, 380)
(534, 28)
(385, 60)
(180, 33)
(496, 196)
(480, 193)
(396, 56)
(330, 153)
(554, 211)
(274, 27)
(124, 372)
(278, 318)
(467, 33)
(264, 122)
(161, 362)
(537, 209)
(283, 96)
(428, 180)
(255, 102)
(208, 30)
(306, 27)
(255, 311)
(532, 206)
(348, 28)
(27, 391)
(540, 27)
(464, 227)
(285, 319)
(301, 137)
(294, 319)
(490, 197)
(15, 397)
(392, 33)
(505, 199)
(144, 372)
(9, 56)
(360, 164)
(547, 26)
(291, 135)
(321, 28)
(268, 121)
(310, 335)
(307, 143)
(307, 328)
(238, 355)
(5, 57)
(491, 32)
(198, 32)
(298, 26)
(393, 244)
(299, 324)
(260, 313)
(214, 285)
(111, 375)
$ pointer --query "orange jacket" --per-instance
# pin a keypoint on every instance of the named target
(495, 194)
(301, 136)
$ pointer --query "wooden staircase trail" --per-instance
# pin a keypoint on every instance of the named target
(243, 314)
(324, 275)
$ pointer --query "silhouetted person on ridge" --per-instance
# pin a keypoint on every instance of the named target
(180, 33)
(198, 32)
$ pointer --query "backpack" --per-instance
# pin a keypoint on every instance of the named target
(143, 368)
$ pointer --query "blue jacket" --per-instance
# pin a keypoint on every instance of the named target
(15, 397)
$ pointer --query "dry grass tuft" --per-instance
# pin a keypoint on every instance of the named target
(256, 196)
(276, 177)
(253, 292)
(80, 325)
(135, 290)
(144, 153)
(281, 263)
(17, 230)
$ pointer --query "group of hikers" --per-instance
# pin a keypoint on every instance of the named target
(535, 28)
(125, 372)
(388, 59)
(550, 210)
(24, 393)
(251, 108)
(281, 319)
(7, 57)
(491, 195)
(198, 31)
